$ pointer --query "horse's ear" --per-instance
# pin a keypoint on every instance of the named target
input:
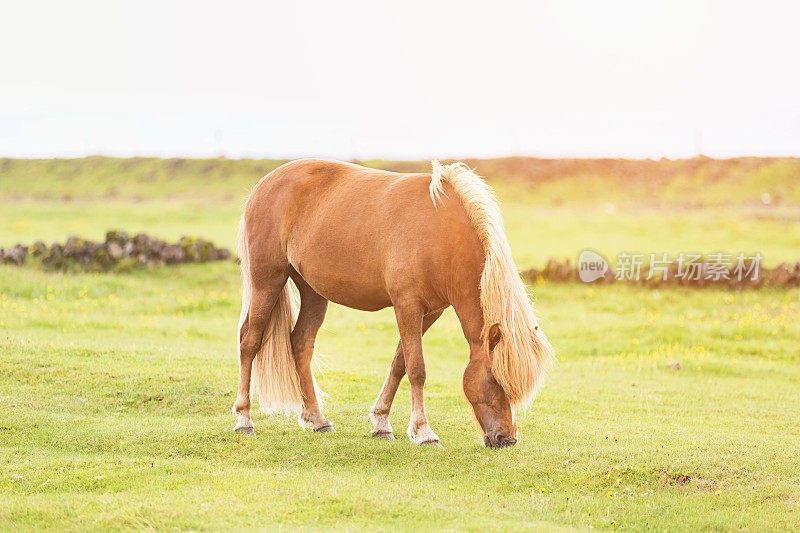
(494, 336)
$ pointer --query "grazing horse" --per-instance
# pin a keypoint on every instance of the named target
(370, 239)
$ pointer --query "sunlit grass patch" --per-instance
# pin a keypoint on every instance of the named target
(112, 417)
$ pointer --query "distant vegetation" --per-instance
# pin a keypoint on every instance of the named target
(693, 182)
(553, 208)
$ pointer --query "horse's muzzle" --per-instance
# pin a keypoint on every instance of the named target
(498, 441)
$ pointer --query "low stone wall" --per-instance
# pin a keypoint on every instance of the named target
(785, 275)
(119, 251)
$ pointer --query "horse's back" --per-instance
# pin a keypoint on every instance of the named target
(361, 237)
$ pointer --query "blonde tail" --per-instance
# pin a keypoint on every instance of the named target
(274, 367)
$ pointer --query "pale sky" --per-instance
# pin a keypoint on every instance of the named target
(403, 79)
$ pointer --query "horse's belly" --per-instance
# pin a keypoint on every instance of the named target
(359, 290)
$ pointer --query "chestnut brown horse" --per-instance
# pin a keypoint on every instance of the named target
(370, 239)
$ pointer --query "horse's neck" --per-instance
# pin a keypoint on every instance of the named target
(468, 309)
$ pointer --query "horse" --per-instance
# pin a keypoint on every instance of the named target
(370, 239)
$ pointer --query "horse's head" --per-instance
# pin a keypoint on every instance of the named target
(489, 401)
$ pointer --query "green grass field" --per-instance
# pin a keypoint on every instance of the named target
(115, 389)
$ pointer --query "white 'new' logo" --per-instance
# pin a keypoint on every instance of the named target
(591, 266)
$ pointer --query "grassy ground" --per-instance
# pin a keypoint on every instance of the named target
(115, 394)
(115, 390)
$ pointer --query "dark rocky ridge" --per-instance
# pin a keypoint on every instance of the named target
(785, 275)
(119, 251)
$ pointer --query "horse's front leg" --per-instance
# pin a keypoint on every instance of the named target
(379, 414)
(409, 322)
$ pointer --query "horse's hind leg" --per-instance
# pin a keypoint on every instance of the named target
(312, 314)
(261, 305)
(379, 414)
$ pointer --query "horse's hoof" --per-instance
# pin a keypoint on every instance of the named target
(424, 436)
(247, 430)
(388, 435)
(327, 428)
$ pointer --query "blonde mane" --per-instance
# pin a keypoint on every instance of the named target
(523, 355)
